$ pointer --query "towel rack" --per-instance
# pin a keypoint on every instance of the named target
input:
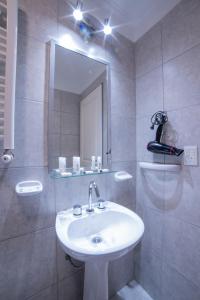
(8, 56)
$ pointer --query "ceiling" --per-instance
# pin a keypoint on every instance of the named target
(132, 18)
(75, 72)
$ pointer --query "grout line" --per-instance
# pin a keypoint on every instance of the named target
(183, 107)
(54, 183)
(163, 87)
(163, 82)
(26, 99)
(22, 35)
(167, 61)
(41, 28)
(182, 53)
(148, 72)
(181, 220)
(57, 276)
(27, 233)
(164, 213)
(182, 275)
(72, 274)
(139, 117)
(120, 116)
(41, 290)
(66, 134)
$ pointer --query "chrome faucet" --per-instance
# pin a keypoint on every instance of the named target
(91, 185)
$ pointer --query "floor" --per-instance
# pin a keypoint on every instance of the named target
(132, 291)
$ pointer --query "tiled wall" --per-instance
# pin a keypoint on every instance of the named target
(32, 264)
(64, 128)
(168, 78)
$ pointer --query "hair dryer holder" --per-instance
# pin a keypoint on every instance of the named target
(159, 119)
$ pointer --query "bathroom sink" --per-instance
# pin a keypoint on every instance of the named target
(109, 232)
(96, 239)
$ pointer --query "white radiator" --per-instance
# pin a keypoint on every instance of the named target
(8, 56)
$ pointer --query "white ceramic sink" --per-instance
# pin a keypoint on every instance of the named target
(96, 239)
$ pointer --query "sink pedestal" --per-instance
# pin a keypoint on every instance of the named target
(96, 280)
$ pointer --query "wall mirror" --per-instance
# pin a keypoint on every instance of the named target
(79, 108)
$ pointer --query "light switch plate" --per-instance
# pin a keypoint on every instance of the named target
(191, 156)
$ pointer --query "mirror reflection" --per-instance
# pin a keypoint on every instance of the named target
(78, 110)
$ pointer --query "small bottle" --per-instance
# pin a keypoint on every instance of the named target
(93, 163)
(62, 164)
(76, 164)
(99, 164)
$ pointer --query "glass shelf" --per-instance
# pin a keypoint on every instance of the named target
(55, 174)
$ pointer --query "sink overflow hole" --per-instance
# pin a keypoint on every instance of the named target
(97, 240)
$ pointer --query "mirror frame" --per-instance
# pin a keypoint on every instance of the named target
(51, 49)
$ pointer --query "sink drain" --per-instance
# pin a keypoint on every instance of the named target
(97, 240)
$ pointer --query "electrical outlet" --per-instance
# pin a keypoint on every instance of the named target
(190, 156)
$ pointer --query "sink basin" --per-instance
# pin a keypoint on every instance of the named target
(96, 239)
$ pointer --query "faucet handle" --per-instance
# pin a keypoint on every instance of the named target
(77, 210)
(101, 204)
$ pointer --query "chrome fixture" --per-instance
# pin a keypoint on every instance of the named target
(77, 210)
(7, 156)
(101, 204)
(91, 185)
(87, 25)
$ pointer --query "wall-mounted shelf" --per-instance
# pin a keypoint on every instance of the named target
(122, 176)
(55, 174)
(160, 167)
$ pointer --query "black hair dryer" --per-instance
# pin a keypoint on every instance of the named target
(160, 118)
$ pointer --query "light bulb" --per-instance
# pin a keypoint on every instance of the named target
(78, 15)
(107, 29)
